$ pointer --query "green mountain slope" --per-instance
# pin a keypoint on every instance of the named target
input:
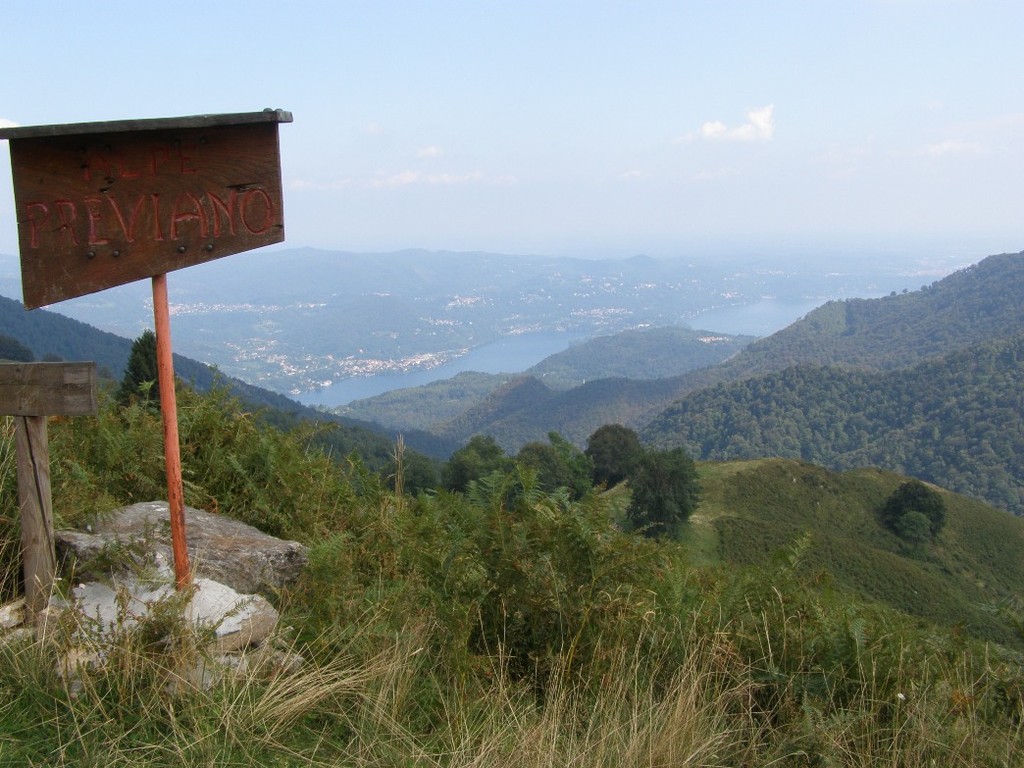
(957, 421)
(973, 305)
(427, 407)
(651, 353)
(524, 410)
(752, 510)
(612, 367)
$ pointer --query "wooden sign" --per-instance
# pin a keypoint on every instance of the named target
(48, 389)
(30, 392)
(102, 204)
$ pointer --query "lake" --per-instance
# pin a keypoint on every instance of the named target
(511, 355)
(761, 319)
(517, 353)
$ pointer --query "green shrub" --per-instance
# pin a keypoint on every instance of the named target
(914, 512)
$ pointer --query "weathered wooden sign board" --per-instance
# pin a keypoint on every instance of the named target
(102, 204)
(30, 392)
(48, 389)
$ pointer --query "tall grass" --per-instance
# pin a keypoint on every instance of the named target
(503, 627)
(10, 522)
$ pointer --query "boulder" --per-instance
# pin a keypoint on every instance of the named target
(235, 629)
(224, 550)
(13, 614)
(236, 621)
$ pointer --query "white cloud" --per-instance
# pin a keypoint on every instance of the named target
(374, 129)
(632, 175)
(714, 175)
(318, 186)
(954, 147)
(406, 178)
(429, 152)
(713, 130)
(760, 126)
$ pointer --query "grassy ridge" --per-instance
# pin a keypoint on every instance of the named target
(758, 508)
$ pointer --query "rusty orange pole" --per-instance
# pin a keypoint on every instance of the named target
(172, 449)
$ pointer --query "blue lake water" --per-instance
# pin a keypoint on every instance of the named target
(761, 319)
(510, 355)
(516, 354)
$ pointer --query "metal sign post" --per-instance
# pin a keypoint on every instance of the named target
(172, 448)
(102, 204)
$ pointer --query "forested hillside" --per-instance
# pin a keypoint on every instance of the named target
(470, 401)
(53, 336)
(524, 409)
(957, 421)
(973, 305)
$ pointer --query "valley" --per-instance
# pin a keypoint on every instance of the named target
(297, 321)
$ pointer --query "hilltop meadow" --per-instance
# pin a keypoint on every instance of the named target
(508, 624)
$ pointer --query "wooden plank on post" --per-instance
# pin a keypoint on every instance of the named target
(30, 392)
(48, 389)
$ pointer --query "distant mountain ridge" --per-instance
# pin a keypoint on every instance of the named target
(641, 353)
(646, 353)
(971, 306)
(294, 319)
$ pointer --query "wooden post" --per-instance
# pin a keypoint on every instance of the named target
(172, 449)
(29, 392)
(39, 558)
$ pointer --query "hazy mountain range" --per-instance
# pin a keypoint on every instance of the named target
(297, 320)
(925, 382)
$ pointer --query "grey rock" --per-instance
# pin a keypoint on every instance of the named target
(237, 621)
(225, 550)
(13, 614)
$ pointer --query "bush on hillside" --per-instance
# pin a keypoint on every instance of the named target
(664, 490)
(914, 512)
(614, 450)
(559, 464)
(478, 458)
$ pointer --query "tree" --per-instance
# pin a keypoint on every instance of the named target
(559, 464)
(664, 491)
(419, 473)
(140, 375)
(614, 451)
(914, 512)
(14, 350)
(479, 457)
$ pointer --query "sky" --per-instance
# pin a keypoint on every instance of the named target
(581, 128)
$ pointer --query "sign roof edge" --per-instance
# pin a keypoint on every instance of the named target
(149, 124)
